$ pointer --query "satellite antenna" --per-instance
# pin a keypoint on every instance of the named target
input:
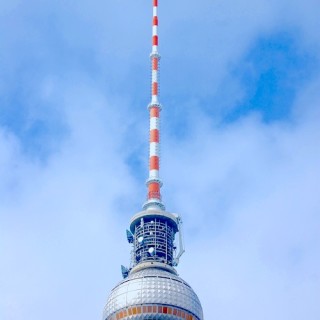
(124, 271)
(151, 251)
(130, 236)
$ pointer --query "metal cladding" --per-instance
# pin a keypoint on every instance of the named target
(153, 294)
(152, 289)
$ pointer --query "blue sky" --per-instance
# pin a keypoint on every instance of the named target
(240, 151)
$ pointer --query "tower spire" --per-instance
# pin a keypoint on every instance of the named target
(154, 183)
(151, 288)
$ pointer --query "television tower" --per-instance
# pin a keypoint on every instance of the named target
(151, 288)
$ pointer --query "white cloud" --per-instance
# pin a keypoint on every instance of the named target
(60, 218)
(248, 192)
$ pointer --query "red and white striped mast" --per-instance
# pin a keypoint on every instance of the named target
(154, 183)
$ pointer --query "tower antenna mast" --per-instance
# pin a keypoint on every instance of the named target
(154, 183)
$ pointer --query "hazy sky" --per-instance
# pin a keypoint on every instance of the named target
(240, 88)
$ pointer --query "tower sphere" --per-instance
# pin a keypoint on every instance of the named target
(153, 293)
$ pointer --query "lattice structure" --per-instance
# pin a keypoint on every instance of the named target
(154, 241)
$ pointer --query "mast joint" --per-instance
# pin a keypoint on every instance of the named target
(154, 105)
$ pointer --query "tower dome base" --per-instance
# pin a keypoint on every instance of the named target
(153, 293)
